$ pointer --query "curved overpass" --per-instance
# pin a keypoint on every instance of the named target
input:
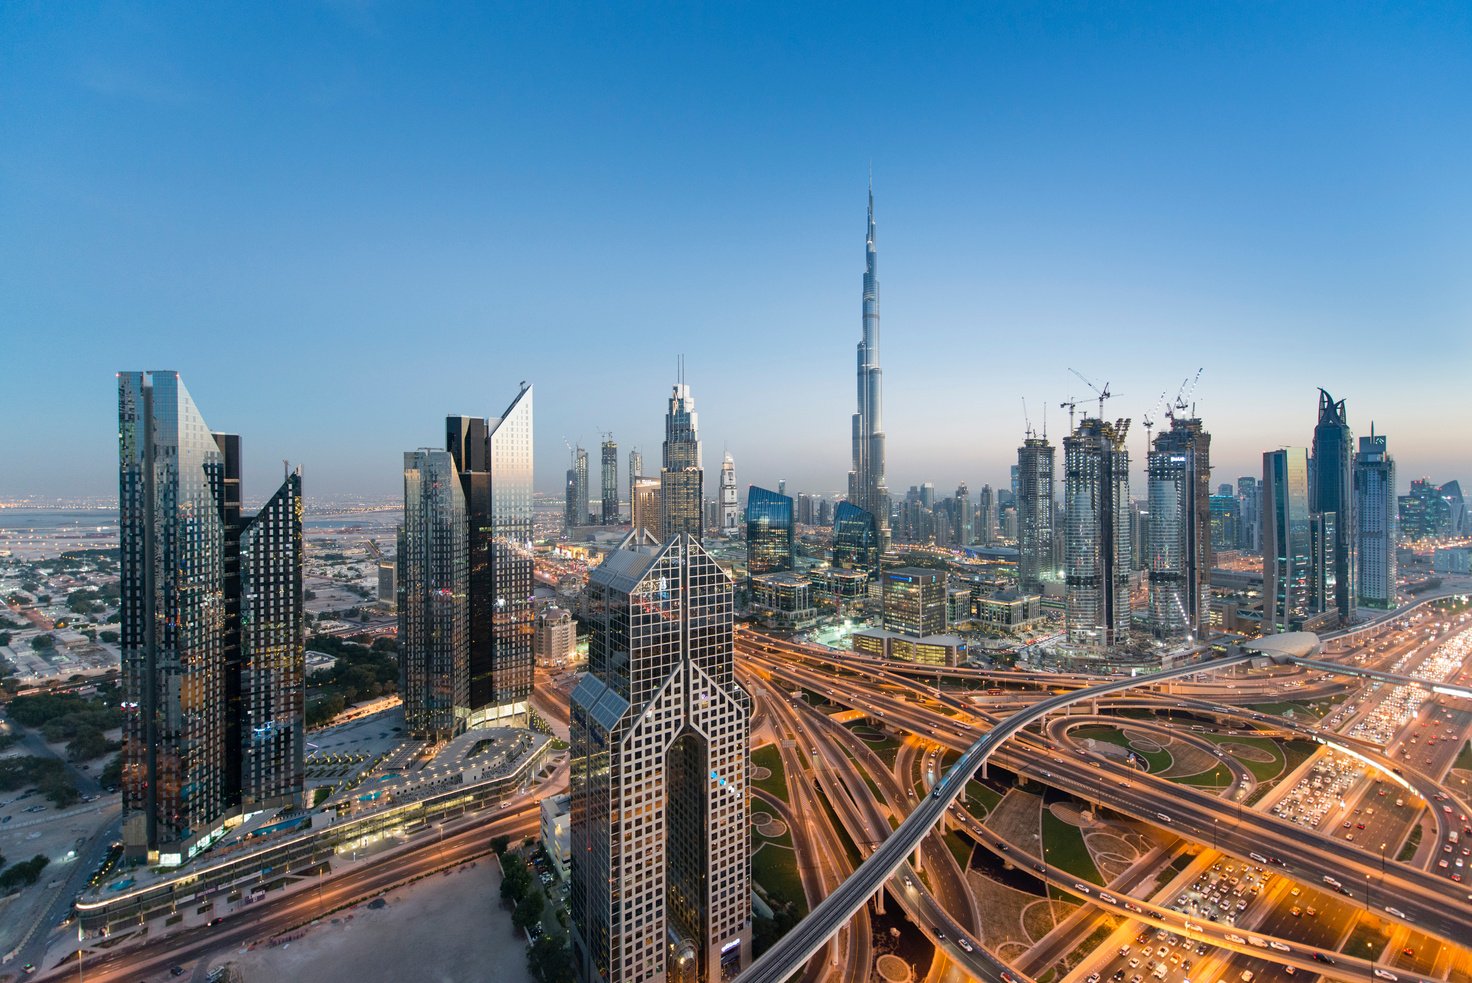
(824, 921)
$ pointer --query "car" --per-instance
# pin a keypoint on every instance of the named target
(1295, 892)
(217, 919)
(1311, 911)
(1385, 974)
(1290, 970)
(1319, 957)
(176, 970)
(1135, 963)
(1408, 951)
(1274, 943)
(1092, 978)
(965, 944)
(941, 936)
(1295, 911)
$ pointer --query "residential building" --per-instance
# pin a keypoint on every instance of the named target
(636, 471)
(1249, 494)
(1034, 481)
(645, 507)
(730, 517)
(575, 509)
(1180, 544)
(1376, 517)
(555, 641)
(608, 498)
(1096, 486)
(556, 811)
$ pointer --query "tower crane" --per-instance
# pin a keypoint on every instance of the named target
(1184, 395)
(1068, 404)
(1103, 394)
(1026, 420)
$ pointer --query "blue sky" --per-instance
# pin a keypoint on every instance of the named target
(342, 221)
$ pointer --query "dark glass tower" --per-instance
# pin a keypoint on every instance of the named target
(1287, 540)
(682, 478)
(1375, 510)
(1096, 487)
(855, 539)
(1331, 491)
(769, 532)
(575, 511)
(660, 739)
(494, 459)
(608, 497)
(211, 628)
(1034, 482)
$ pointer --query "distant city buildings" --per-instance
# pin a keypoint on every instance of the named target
(681, 479)
(211, 629)
(660, 840)
(1376, 518)
(1179, 558)
(867, 485)
(1033, 478)
(645, 507)
(1432, 512)
(608, 498)
(730, 509)
(1096, 515)
(434, 594)
(575, 508)
(1249, 527)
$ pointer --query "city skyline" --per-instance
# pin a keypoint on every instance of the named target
(1257, 204)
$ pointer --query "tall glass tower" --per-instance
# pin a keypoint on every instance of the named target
(867, 486)
(1331, 491)
(1376, 512)
(608, 498)
(575, 508)
(211, 628)
(1287, 540)
(855, 539)
(1034, 513)
(494, 460)
(1096, 489)
(434, 586)
(681, 479)
(769, 532)
(660, 739)
(1179, 556)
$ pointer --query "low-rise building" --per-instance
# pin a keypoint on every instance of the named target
(783, 600)
(930, 650)
(1008, 609)
(556, 810)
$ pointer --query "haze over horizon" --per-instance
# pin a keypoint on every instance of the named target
(342, 222)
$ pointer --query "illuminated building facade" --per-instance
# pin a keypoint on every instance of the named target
(1096, 546)
(1287, 541)
(867, 486)
(856, 543)
(682, 478)
(660, 885)
(608, 497)
(1034, 483)
(1376, 515)
(1331, 494)
(1179, 556)
(769, 532)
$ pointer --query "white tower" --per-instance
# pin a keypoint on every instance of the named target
(730, 513)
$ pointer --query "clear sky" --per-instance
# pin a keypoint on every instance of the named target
(341, 221)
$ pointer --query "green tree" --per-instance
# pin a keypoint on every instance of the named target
(550, 959)
(111, 637)
(515, 879)
(43, 642)
(499, 844)
(528, 911)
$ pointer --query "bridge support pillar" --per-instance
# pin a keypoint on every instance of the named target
(879, 901)
(917, 860)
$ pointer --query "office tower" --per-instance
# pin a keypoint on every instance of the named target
(807, 509)
(1375, 513)
(769, 532)
(1249, 494)
(1456, 505)
(781, 486)
(1287, 540)
(986, 517)
(825, 512)
(494, 461)
(1096, 488)
(1179, 553)
(608, 500)
(1226, 522)
(964, 517)
(730, 516)
(213, 661)
(575, 510)
(915, 601)
(1033, 479)
(1016, 486)
(636, 471)
(867, 487)
(1010, 529)
(660, 738)
(681, 479)
(855, 539)
(434, 584)
(1426, 513)
(388, 584)
(1331, 490)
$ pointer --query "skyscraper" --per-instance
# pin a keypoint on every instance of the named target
(681, 479)
(494, 461)
(1331, 490)
(644, 507)
(1376, 515)
(730, 509)
(964, 516)
(210, 628)
(575, 510)
(1034, 481)
(855, 539)
(1179, 554)
(1249, 494)
(867, 487)
(986, 517)
(608, 498)
(434, 585)
(1287, 540)
(660, 738)
(769, 532)
(636, 471)
(1096, 488)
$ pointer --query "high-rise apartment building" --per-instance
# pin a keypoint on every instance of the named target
(986, 517)
(1249, 495)
(730, 524)
(494, 461)
(211, 628)
(1179, 552)
(867, 485)
(608, 498)
(636, 471)
(964, 516)
(681, 479)
(769, 532)
(434, 588)
(644, 505)
(1096, 513)
(1331, 492)
(660, 739)
(1287, 540)
(1034, 481)
(575, 508)
(856, 539)
(1376, 515)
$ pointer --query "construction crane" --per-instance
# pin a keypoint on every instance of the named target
(1149, 432)
(374, 549)
(1184, 395)
(1103, 394)
(1068, 404)
(1026, 420)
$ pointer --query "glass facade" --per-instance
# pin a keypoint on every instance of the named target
(1179, 554)
(1287, 540)
(660, 738)
(1034, 483)
(1096, 488)
(210, 627)
(1331, 489)
(769, 532)
(1226, 522)
(434, 584)
(1376, 515)
(855, 539)
(915, 601)
(608, 497)
(575, 506)
(682, 478)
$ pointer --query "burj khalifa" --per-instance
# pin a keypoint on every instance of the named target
(866, 484)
